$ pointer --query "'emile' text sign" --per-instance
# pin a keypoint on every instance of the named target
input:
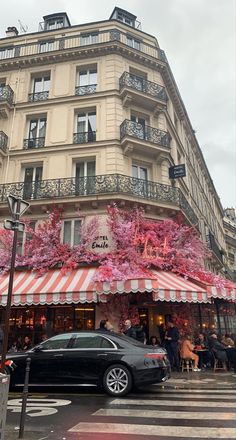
(177, 171)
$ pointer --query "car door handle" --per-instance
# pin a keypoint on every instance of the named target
(102, 354)
(58, 355)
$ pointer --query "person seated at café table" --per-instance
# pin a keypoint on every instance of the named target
(202, 350)
(227, 340)
(186, 352)
(218, 349)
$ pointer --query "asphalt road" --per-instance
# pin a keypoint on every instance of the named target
(196, 408)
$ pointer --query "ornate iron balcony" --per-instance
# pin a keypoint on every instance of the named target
(146, 133)
(34, 143)
(3, 141)
(39, 96)
(142, 85)
(85, 90)
(214, 247)
(6, 94)
(100, 185)
(85, 137)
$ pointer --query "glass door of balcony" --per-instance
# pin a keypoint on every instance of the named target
(85, 177)
(140, 175)
(32, 179)
(138, 126)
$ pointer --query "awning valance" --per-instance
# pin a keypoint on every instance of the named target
(227, 293)
(164, 286)
(53, 287)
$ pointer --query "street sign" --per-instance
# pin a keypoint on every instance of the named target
(12, 225)
(13, 205)
(177, 171)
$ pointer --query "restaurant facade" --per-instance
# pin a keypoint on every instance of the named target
(56, 303)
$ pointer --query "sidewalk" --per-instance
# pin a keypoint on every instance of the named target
(206, 379)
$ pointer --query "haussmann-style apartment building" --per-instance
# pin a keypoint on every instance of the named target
(91, 114)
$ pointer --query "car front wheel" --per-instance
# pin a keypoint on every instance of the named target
(117, 380)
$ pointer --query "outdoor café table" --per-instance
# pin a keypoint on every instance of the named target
(204, 356)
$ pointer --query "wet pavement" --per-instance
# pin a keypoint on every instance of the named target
(188, 406)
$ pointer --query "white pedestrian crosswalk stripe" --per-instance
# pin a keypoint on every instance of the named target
(152, 414)
(186, 414)
(156, 402)
(155, 430)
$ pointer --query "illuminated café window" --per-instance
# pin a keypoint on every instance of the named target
(84, 317)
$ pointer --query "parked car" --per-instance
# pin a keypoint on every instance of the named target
(115, 362)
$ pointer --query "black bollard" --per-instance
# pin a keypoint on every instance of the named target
(24, 398)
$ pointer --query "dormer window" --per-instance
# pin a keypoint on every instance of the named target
(55, 24)
(123, 16)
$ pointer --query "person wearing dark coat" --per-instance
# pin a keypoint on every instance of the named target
(102, 326)
(1, 339)
(172, 344)
(218, 348)
(129, 329)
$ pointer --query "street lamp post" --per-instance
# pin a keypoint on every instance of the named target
(17, 207)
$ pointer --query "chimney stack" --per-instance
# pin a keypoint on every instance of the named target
(12, 31)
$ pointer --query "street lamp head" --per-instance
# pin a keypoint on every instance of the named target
(16, 205)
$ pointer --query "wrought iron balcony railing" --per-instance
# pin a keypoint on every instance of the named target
(6, 94)
(85, 137)
(142, 85)
(146, 133)
(214, 247)
(100, 185)
(230, 240)
(85, 90)
(115, 35)
(34, 143)
(3, 141)
(39, 96)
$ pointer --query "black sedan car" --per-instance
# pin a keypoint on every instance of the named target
(117, 363)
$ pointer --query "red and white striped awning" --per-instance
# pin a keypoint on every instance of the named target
(227, 293)
(164, 286)
(176, 288)
(53, 287)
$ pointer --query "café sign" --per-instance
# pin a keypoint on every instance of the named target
(177, 171)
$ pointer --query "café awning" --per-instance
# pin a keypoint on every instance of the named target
(53, 287)
(164, 286)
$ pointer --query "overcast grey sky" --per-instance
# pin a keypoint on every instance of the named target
(199, 38)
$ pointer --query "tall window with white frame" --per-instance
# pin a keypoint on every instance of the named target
(40, 88)
(85, 128)
(46, 46)
(133, 42)
(32, 179)
(89, 38)
(86, 81)
(140, 173)
(138, 126)
(72, 232)
(85, 177)
(36, 133)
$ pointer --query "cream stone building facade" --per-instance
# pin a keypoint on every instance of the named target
(91, 114)
(229, 223)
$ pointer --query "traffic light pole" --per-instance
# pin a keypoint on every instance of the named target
(10, 289)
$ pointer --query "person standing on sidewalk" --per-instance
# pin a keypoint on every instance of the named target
(172, 345)
(1, 339)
